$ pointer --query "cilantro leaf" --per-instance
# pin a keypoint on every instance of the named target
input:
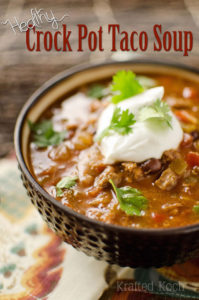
(97, 91)
(42, 127)
(65, 183)
(159, 112)
(44, 134)
(121, 122)
(196, 209)
(126, 84)
(131, 200)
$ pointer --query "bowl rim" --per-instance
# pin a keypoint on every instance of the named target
(46, 87)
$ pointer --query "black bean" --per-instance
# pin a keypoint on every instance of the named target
(151, 166)
(195, 135)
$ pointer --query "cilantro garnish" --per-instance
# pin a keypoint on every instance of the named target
(44, 134)
(96, 91)
(159, 111)
(131, 200)
(121, 122)
(196, 209)
(65, 183)
(126, 84)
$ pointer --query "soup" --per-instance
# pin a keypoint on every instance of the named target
(125, 152)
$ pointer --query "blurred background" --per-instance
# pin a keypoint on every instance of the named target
(22, 72)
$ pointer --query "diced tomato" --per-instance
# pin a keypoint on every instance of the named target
(187, 140)
(158, 218)
(193, 159)
(185, 116)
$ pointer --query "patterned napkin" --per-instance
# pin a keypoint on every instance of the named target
(36, 264)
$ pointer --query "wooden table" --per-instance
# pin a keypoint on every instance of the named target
(22, 71)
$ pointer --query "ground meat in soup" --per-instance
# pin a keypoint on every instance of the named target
(170, 184)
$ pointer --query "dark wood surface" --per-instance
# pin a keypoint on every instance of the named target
(22, 72)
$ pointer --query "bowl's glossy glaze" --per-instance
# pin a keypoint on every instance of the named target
(114, 244)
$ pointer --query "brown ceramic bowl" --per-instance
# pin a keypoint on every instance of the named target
(114, 244)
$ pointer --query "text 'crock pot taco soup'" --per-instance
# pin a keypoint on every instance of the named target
(124, 152)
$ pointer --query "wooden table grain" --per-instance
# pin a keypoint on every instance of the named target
(22, 72)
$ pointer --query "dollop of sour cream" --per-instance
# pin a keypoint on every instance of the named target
(145, 141)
